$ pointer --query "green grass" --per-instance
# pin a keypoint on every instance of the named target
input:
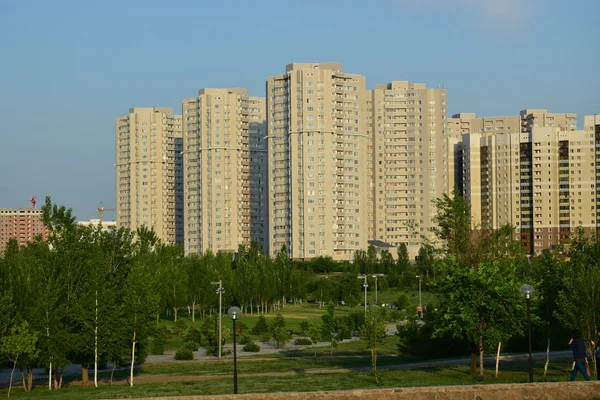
(294, 314)
(514, 372)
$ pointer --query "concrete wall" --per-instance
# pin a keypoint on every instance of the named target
(525, 391)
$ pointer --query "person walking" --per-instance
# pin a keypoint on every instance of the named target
(580, 361)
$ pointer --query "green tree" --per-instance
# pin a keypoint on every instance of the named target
(314, 332)
(329, 327)
(278, 331)
(481, 305)
(373, 333)
(578, 302)
(140, 306)
(19, 344)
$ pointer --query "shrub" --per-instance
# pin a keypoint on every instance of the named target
(193, 335)
(251, 347)
(193, 346)
(184, 354)
(245, 339)
(402, 302)
(261, 326)
(265, 337)
(240, 328)
(304, 326)
(179, 327)
(158, 345)
(343, 333)
(303, 341)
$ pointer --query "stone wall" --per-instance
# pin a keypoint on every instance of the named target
(523, 391)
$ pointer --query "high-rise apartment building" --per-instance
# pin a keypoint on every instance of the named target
(149, 172)
(22, 224)
(318, 142)
(542, 180)
(410, 160)
(225, 168)
(471, 163)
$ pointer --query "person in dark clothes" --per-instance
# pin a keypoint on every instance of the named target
(597, 349)
(579, 355)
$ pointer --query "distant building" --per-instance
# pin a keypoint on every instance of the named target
(409, 161)
(22, 224)
(149, 172)
(225, 168)
(539, 175)
(318, 145)
(108, 226)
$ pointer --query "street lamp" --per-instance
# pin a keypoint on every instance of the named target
(420, 299)
(376, 276)
(234, 314)
(527, 292)
(220, 291)
(365, 285)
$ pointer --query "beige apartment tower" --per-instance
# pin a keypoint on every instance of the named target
(410, 167)
(149, 172)
(541, 180)
(225, 167)
(318, 142)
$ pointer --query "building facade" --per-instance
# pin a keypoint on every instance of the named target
(225, 171)
(410, 161)
(149, 172)
(318, 142)
(107, 226)
(542, 181)
(22, 224)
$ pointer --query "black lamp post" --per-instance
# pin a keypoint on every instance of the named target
(234, 314)
(527, 292)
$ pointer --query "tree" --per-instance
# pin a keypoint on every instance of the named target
(141, 303)
(481, 305)
(278, 331)
(19, 344)
(315, 335)
(373, 333)
(578, 302)
(546, 273)
(329, 326)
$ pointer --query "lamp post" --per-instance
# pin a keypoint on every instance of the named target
(527, 292)
(220, 291)
(234, 314)
(365, 285)
(376, 276)
(420, 299)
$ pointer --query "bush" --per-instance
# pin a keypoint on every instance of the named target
(245, 339)
(402, 302)
(251, 347)
(417, 340)
(266, 337)
(261, 326)
(184, 354)
(240, 328)
(304, 326)
(303, 341)
(179, 327)
(158, 345)
(343, 333)
(193, 335)
(193, 346)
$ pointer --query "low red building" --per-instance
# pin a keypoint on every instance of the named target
(22, 224)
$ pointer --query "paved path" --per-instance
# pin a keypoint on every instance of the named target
(425, 364)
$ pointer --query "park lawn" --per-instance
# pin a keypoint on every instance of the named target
(295, 314)
(514, 372)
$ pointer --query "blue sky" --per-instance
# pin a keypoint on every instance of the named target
(69, 67)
